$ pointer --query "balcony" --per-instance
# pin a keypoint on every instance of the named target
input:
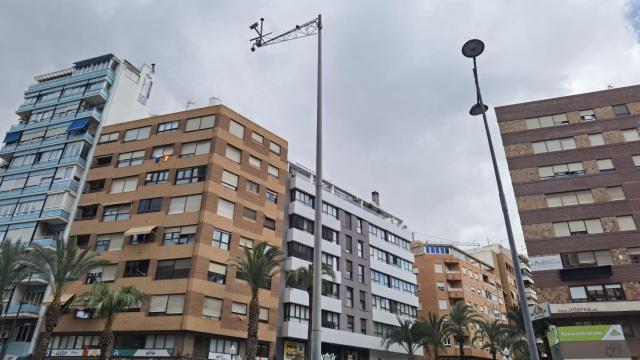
(69, 79)
(87, 112)
(585, 273)
(453, 275)
(455, 293)
(98, 96)
(26, 310)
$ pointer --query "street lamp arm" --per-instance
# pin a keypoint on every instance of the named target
(299, 31)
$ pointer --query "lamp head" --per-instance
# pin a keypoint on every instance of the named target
(477, 109)
(472, 48)
(253, 26)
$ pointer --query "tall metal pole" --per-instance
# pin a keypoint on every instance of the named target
(531, 338)
(316, 320)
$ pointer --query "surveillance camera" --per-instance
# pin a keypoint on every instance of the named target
(254, 26)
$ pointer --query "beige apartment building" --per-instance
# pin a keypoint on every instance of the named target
(499, 257)
(447, 275)
(168, 201)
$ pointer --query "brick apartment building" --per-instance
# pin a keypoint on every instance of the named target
(168, 201)
(574, 167)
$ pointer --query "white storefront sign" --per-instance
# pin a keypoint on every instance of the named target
(219, 356)
(595, 307)
(540, 311)
(546, 262)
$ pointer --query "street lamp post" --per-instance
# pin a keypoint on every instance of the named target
(472, 49)
(309, 28)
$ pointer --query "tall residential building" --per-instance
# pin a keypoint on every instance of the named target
(527, 279)
(499, 257)
(169, 201)
(574, 167)
(43, 162)
(448, 275)
(374, 283)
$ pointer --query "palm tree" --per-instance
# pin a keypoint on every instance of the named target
(257, 267)
(302, 278)
(409, 335)
(12, 268)
(60, 266)
(107, 303)
(460, 318)
(435, 332)
(491, 333)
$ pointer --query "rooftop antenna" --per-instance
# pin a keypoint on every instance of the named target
(189, 103)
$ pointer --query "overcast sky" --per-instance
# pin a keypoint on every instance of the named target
(397, 89)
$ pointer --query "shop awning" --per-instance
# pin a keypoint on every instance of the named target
(79, 124)
(12, 137)
(140, 230)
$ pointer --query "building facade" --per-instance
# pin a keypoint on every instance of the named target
(499, 257)
(448, 275)
(43, 163)
(169, 201)
(574, 167)
(527, 278)
(374, 282)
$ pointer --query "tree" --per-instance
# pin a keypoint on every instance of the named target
(460, 318)
(302, 278)
(107, 304)
(409, 335)
(435, 332)
(491, 333)
(257, 267)
(60, 266)
(12, 267)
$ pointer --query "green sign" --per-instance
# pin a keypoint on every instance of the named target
(584, 333)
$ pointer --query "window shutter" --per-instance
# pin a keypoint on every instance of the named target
(254, 161)
(630, 135)
(585, 197)
(158, 303)
(568, 143)
(239, 308)
(633, 251)
(130, 184)
(217, 268)
(554, 200)
(189, 148)
(615, 193)
(264, 314)
(207, 122)
(192, 124)
(569, 198)
(577, 225)
(176, 205)
(55, 132)
(594, 226)
(116, 242)
(193, 203)
(561, 229)
(189, 229)
(596, 139)
(603, 257)
(605, 164)
(109, 272)
(626, 223)
(225, 208)
(539, 147)
(561, 168)
(545, 172)
(203, 147)
(233, 154)
(116, 186)
(246, 242)
(532, 123)
(175, 304)
(575, 166)
(273, 171)
(236, 129)
(554, 145)
(546, 121)
(229, 178)
(578, 292)
(212, 307)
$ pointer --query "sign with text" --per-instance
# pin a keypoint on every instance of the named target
(293, 350)
(588, 342)
(141, 353)
(73, 353)
(540, 311)
(546, 262)
(219, 356)
(595, 307)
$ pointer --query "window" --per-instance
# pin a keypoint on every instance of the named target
(592, 293)
(332, 289)
(330, 319)
(350, 325)
(331, 261)
(349, 270)
(136, 268)
(124, 185)
(620, 110)
(547, 121)
(109, 242)
(626, 223)
(239, 308)
(161, 151)
(156, 177)
(185, 204)
(107, 138)
(92, 186)
(116, 212)
(329, 235)
(274, 148)
(360, 249)
(347, 220)
(615, 193)
(330, 210)
(254, 161)
(634, 255)
(244, 242)
(191, 175)
(569, 198)
(296, 313)
(305, 198)
(224, 346)
(596, 139)
(229, 180)
(363, 300)
(440, 285)
(631, 135)
(167, 127)
(105, 273)
(25, 160)
(236, 129)
(271, 196)
(137, 134)
(226, 208)
(149, 205)
(82, 241)
(130, 159)
(269, 223)
(257, 137)
(199, 123)
(443, 304)
(437, 268)
(166, 305)
(264, 316)
(221, 239)
(102, 161)
(363, 326)
(299, 251)
(361, 273)
(359, 226)
(605, 165)
(173, 269)
(577, 227)
(217, 273)
(273, 171)
(553, 145)
(587, 259)
(252, 186)
(587, 115)
(179, 235)
(348, 247)
(636, 160)
(195, 148)
(301, 223)
(75, 149)
(212, 308)
(233, 153)
(249, 214)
